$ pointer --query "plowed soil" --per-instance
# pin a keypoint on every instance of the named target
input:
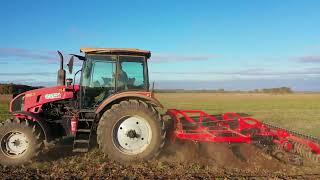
(182, 160)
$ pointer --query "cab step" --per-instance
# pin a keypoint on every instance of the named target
(81, 141)
(86, 120)
(84, 130)
(80, 150)
(85, 126)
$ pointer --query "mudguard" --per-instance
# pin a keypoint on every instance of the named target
(146, 96)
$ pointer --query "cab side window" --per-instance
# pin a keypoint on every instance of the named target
(131, 73)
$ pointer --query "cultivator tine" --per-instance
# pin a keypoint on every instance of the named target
(235, 148)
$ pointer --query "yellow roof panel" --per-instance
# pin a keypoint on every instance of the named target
(113, 50)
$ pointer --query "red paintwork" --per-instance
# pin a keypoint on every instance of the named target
(138, 94)
(34, 99)
(214, 132)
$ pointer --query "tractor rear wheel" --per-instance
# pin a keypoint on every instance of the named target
(19, 142)
(131, 131)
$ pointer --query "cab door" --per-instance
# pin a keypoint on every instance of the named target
(98, 80)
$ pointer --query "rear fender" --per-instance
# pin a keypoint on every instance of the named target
(144, 96)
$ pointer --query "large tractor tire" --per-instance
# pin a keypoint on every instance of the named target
(131, 131)
(19, 142)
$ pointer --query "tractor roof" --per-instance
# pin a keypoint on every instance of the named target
(126, 51)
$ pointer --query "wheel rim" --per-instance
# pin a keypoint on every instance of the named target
(132, 135)
(14, 144)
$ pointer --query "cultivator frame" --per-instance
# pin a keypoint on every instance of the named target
(197, 125)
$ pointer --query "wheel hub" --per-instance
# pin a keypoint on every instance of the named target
(14, 143)
(132, 135)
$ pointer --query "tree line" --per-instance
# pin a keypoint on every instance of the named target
(280, 90)
(15, 88)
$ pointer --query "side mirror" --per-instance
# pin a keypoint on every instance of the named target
(70, 64)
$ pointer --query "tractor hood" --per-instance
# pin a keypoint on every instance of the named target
(32, 101)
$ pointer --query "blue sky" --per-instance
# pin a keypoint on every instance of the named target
(195, 44)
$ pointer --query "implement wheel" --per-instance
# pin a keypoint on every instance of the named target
(131, 131)
(19, 142)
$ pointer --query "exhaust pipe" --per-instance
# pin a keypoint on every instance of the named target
(61, 72)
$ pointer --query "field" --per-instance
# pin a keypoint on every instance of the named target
(184, 159)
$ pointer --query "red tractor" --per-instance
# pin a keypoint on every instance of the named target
(112, 101)
(113, 104)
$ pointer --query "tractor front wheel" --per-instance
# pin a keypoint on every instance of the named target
(131, 131)
(19, 142)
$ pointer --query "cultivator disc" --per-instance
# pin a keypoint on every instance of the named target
(287, 157)
(285, 145)
(305, 145)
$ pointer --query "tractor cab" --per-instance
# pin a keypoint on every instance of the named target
(107, 71)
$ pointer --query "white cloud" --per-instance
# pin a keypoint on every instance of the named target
(309, 59)
(162, 57)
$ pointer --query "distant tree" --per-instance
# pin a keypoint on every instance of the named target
(221, 90)
(15, 88)
(281, 90)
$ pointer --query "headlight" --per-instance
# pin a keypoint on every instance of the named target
(18, 103)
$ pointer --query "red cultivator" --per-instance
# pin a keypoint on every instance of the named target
(283, 144)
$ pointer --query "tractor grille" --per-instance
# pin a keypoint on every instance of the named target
(18, 104)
